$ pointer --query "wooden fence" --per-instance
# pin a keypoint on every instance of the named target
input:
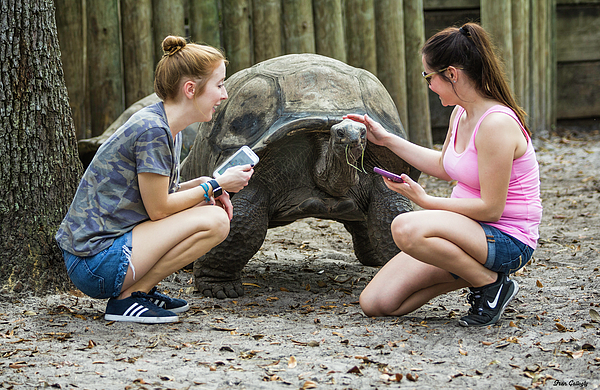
(110, 47)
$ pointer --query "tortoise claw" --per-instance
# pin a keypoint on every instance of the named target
(221, 290)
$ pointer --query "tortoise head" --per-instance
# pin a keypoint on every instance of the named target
(348, 140)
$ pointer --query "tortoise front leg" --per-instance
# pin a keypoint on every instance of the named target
(218, 273)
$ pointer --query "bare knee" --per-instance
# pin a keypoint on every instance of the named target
(404, 232)
(372, 304)
(219, 224)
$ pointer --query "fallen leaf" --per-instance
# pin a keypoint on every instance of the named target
(560, 327)
(411, 377)
(250, 284)
(463, 352)
(512, 324)
(354, 370)
(309, 385)
(595, 316)
(539, 284)
(292, 362)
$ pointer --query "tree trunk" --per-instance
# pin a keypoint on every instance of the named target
(168, 17)
(266, 25)
(204, 22)
(329, 29)
(298, 26)
(40, 168)
(71, 34)
(138, 54)
(391, 61)
(419, 120)
(236, 34)
(104, 64)
(360, 35)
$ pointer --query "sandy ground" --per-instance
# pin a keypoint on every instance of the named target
(299, 326)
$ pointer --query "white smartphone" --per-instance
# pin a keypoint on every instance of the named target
(243, 156)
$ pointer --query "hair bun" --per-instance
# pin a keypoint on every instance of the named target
(172, 45)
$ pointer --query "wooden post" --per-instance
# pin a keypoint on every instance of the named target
(138, 49)
(204, 22)
(236, 34)
(329, 29)
(298, 26)
(520, 39)
(496, 18)
(267, 29)
(104, 64)
(71, 34)
(361, 47)
(419, 119)
(543, 65)
(168, 18)
(391, 61)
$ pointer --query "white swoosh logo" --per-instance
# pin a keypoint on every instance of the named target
(495, 302)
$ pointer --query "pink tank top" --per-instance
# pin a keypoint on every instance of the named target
(523, 211)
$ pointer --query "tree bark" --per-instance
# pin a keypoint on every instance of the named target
(40, 168)
(419, 119)
(104, 64)
(267, 29)
(168, 17)
(360, 35)
(391, 61)
(298, 26)
(204, 22)
(236, 34)
(329, 29)
(138, 54)
(71, 34)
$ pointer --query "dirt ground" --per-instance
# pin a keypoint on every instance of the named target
(299, 326)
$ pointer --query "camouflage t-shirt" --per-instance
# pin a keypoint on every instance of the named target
(108, 202)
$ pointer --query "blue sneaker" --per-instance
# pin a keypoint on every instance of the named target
(137, 308)
(172, 304)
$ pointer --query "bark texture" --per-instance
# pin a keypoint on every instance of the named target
(39, 165)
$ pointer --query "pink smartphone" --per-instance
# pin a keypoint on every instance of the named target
(389, 175)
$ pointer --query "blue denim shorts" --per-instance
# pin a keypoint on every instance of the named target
(101, 276)
(506, 254)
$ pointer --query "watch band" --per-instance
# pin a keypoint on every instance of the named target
(216, 188)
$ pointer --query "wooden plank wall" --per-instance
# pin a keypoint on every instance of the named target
(578, 58)
(558, 84)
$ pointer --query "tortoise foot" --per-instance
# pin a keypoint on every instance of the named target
(220, 290)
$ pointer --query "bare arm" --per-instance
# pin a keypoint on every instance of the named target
(159, 203)
(426, 160)
(499, 141)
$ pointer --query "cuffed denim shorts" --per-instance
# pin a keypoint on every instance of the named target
(506, 254)
(102, 275)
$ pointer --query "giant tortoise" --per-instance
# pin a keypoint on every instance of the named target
(289, 110)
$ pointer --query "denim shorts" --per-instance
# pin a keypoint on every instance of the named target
(102, 275)
(506, 254)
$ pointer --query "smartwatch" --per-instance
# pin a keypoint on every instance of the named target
(216, 188)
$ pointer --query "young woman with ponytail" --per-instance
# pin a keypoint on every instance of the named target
(132, 223)
(488, 228)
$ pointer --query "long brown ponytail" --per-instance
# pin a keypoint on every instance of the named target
(470, 48)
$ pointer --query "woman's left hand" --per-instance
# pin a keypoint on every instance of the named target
(225, 202)
(409, 188)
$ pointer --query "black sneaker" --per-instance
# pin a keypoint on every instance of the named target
(137, 308)
(488, 302)
(172, 304)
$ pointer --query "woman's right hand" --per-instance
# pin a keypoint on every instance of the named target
(375, 132)
(236, 178)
